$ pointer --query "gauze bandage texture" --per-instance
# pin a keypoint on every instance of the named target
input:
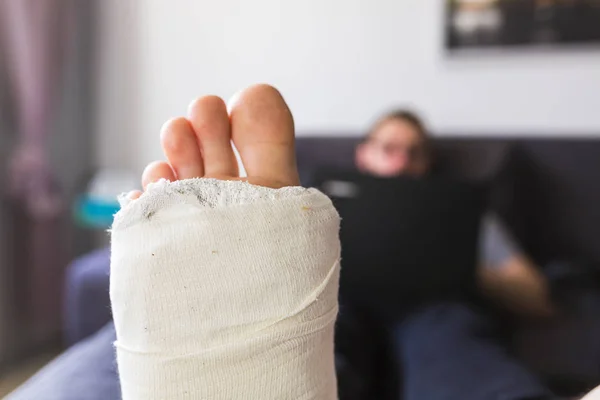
(225, 290)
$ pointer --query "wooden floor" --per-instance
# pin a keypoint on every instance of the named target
(13, 378)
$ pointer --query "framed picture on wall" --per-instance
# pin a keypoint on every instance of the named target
(509, 23)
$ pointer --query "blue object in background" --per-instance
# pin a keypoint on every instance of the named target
(97, 206)
(92, 212)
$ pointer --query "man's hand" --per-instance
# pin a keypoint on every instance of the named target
(517, 286)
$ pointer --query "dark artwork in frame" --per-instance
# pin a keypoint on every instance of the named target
(479, 24)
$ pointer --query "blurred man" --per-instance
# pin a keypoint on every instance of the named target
(397, 145)
(451, 351)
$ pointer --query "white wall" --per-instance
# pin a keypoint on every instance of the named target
(340, 63)
(116, 85)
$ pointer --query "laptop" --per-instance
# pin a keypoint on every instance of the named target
(405, 242)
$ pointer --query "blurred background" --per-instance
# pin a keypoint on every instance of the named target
(86, 85)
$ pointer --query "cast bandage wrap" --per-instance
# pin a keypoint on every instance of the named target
(225, 290)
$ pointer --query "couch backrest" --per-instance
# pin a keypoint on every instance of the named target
(546, 190)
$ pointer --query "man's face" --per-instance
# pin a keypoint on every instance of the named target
(395, 148)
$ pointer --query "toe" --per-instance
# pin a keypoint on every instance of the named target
(263, 132)
(210, 121)
(181, 148)
(156, 171)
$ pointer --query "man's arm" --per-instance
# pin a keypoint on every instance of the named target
(508, 277)
(517, 286)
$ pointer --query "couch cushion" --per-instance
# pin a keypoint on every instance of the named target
(555, 204)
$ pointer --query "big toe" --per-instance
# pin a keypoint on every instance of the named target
(262, 129)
